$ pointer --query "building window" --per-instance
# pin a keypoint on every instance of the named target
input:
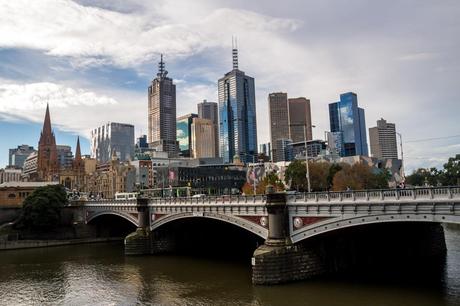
(11, 196)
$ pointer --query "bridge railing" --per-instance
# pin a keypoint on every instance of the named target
(226, 199)
(440, 193)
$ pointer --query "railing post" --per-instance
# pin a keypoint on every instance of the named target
(449, 193)
(431, 193)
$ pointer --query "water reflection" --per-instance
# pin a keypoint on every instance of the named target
(101, 275)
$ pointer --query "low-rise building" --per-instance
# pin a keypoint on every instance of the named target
(14, 193)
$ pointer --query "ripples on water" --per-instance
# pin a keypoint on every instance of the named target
(101, 275)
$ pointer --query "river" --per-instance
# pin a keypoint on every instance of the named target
(100, 274)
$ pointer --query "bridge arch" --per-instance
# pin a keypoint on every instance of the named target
(127, 217)
(334, 224)
(249, 226)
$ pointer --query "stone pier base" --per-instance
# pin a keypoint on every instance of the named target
(280, 264)
(138, 243)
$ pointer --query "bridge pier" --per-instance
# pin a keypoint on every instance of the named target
(278, 260)
(139, 242)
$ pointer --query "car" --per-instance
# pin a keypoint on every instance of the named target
(199, 195)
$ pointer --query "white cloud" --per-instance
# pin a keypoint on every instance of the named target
(96, 36)
(73, 109)
(402, 66)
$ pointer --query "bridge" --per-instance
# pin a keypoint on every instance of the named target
(282, 220)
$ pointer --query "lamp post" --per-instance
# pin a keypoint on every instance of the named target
(307, 174)
(402, 157)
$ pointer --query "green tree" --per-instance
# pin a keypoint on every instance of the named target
(42, 209)
(295, 174)
(422, 177)
(451, 172)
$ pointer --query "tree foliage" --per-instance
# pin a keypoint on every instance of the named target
(448, 176)
(358, 177)
(270, 178)
(42, 209)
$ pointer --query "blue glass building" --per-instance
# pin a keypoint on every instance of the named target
(237, 115)
(347, 119)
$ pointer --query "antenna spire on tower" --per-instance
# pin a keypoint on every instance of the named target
(161, 68)
(235, 52)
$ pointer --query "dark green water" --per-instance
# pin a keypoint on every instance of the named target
(101, 275)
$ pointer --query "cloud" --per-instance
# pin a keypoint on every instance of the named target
(401, 59)
(74, 109)
(94, 36)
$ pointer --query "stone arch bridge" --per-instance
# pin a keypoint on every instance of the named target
(282, 220)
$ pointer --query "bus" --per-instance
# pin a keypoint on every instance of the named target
(126, 196)
(168, 192)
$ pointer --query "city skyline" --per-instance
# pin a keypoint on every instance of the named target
(410, 84)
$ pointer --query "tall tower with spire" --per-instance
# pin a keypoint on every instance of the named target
(47, 160)
(237, 114)
(162, 112)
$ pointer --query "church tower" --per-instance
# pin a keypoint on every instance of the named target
(47, 162)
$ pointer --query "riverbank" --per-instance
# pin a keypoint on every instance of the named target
(28, 244)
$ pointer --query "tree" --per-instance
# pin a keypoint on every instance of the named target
(451, 172)
(319, 172)
(295, 174)
(360, 176)
(42, 209)
(422, 177)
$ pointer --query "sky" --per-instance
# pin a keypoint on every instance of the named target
(92, 61)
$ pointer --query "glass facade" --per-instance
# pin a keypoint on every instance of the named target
(184, 125)
(348, 119)
(237, 117)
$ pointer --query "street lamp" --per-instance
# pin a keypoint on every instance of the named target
(307, 174)
(402, 156)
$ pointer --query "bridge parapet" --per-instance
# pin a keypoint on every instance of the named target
(390, 195)
(226, 199)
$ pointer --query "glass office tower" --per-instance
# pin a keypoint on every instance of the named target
(348, 119)
(237, 115)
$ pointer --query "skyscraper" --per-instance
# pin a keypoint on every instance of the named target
(383, 140)
(112, 139)
(209, 110)
(202, 136)
(279, 123)
(184, 134)
(347, 119)
(17, 156)
(237, 115)
(299, 119)
(289, 119)
(162, 113)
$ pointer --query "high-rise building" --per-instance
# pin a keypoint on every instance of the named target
(279, 123)
(112, 140)
(18, 156)
(289, 119)
(141, 142)
(237, 115)
(184, 134)
(265, 149)
(203, 138)
(162, 113)
(209, 110)
(383, 140)
(47, 158)
(299, 119)
(348, 119)
(65, 156)
(285, 149)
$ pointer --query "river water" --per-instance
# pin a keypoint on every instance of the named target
(100, 274)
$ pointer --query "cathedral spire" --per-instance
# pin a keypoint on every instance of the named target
(47, 123)
(77, 150)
